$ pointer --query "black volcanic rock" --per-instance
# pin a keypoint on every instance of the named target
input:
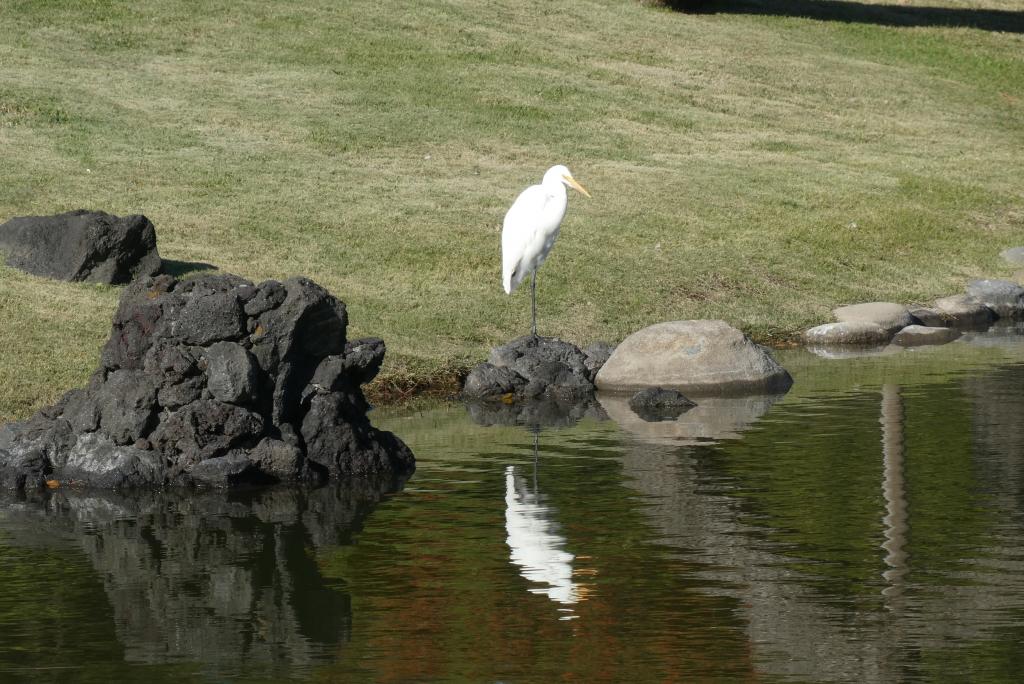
(81, 245)
(213, 381)
(531, 368)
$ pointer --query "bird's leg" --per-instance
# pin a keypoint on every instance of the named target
(533, 299)
(536, 440)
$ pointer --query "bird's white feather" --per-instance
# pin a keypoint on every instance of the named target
(530, 229)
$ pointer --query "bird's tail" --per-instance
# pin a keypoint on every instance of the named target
(508, 277)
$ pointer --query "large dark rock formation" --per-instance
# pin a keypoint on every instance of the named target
(81, 245)
(213, 381)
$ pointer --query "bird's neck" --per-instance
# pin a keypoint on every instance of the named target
(554, 188)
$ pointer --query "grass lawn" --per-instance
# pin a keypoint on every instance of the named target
(745, 163)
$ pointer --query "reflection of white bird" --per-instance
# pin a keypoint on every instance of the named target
(531, 228)
(535, 547)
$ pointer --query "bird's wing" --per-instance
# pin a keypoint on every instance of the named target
(520, 235)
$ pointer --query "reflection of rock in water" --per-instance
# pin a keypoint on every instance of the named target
(540, 412)
(795, 630)
(230, 582)
(534, 545)
(851, 352)
(1003, 334)
(713, 418)
(997, 400)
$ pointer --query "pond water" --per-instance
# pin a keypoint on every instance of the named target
(867, 526)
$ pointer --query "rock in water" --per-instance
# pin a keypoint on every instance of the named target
(81, 245)
(847, 334)
(531, 368)
(213, 381)
(655, 404)
(696, 357)
(886, 315)
(1005, 298)
(964, 311)
(920, 335)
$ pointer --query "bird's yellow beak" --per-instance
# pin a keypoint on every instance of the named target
(572, 181)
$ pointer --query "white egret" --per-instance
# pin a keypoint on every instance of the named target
(531, 228)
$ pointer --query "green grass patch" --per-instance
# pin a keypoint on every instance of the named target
(755, 167)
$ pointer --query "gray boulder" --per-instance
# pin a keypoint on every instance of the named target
(930, 316)
(695, 357)
(918, 335)
(847, 334)
(217, 382)
(1005, 298)
(963, 311)
(886, 315)
(90, 246)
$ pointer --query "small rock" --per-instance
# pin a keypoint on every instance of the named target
(175, 396)
(204, 429)
(1005, 298)
(928, 316)
(231, 470)
(99, 461)
(964, 311)
(487, 381)
(232, 372)
(363, 358)
(269, 295)
(530, 367)
(888, 316)
(541, 349)
(210, 317)
(918, 335)
(655, 404)
(852, 333)
(127, 405)
(278, 458)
